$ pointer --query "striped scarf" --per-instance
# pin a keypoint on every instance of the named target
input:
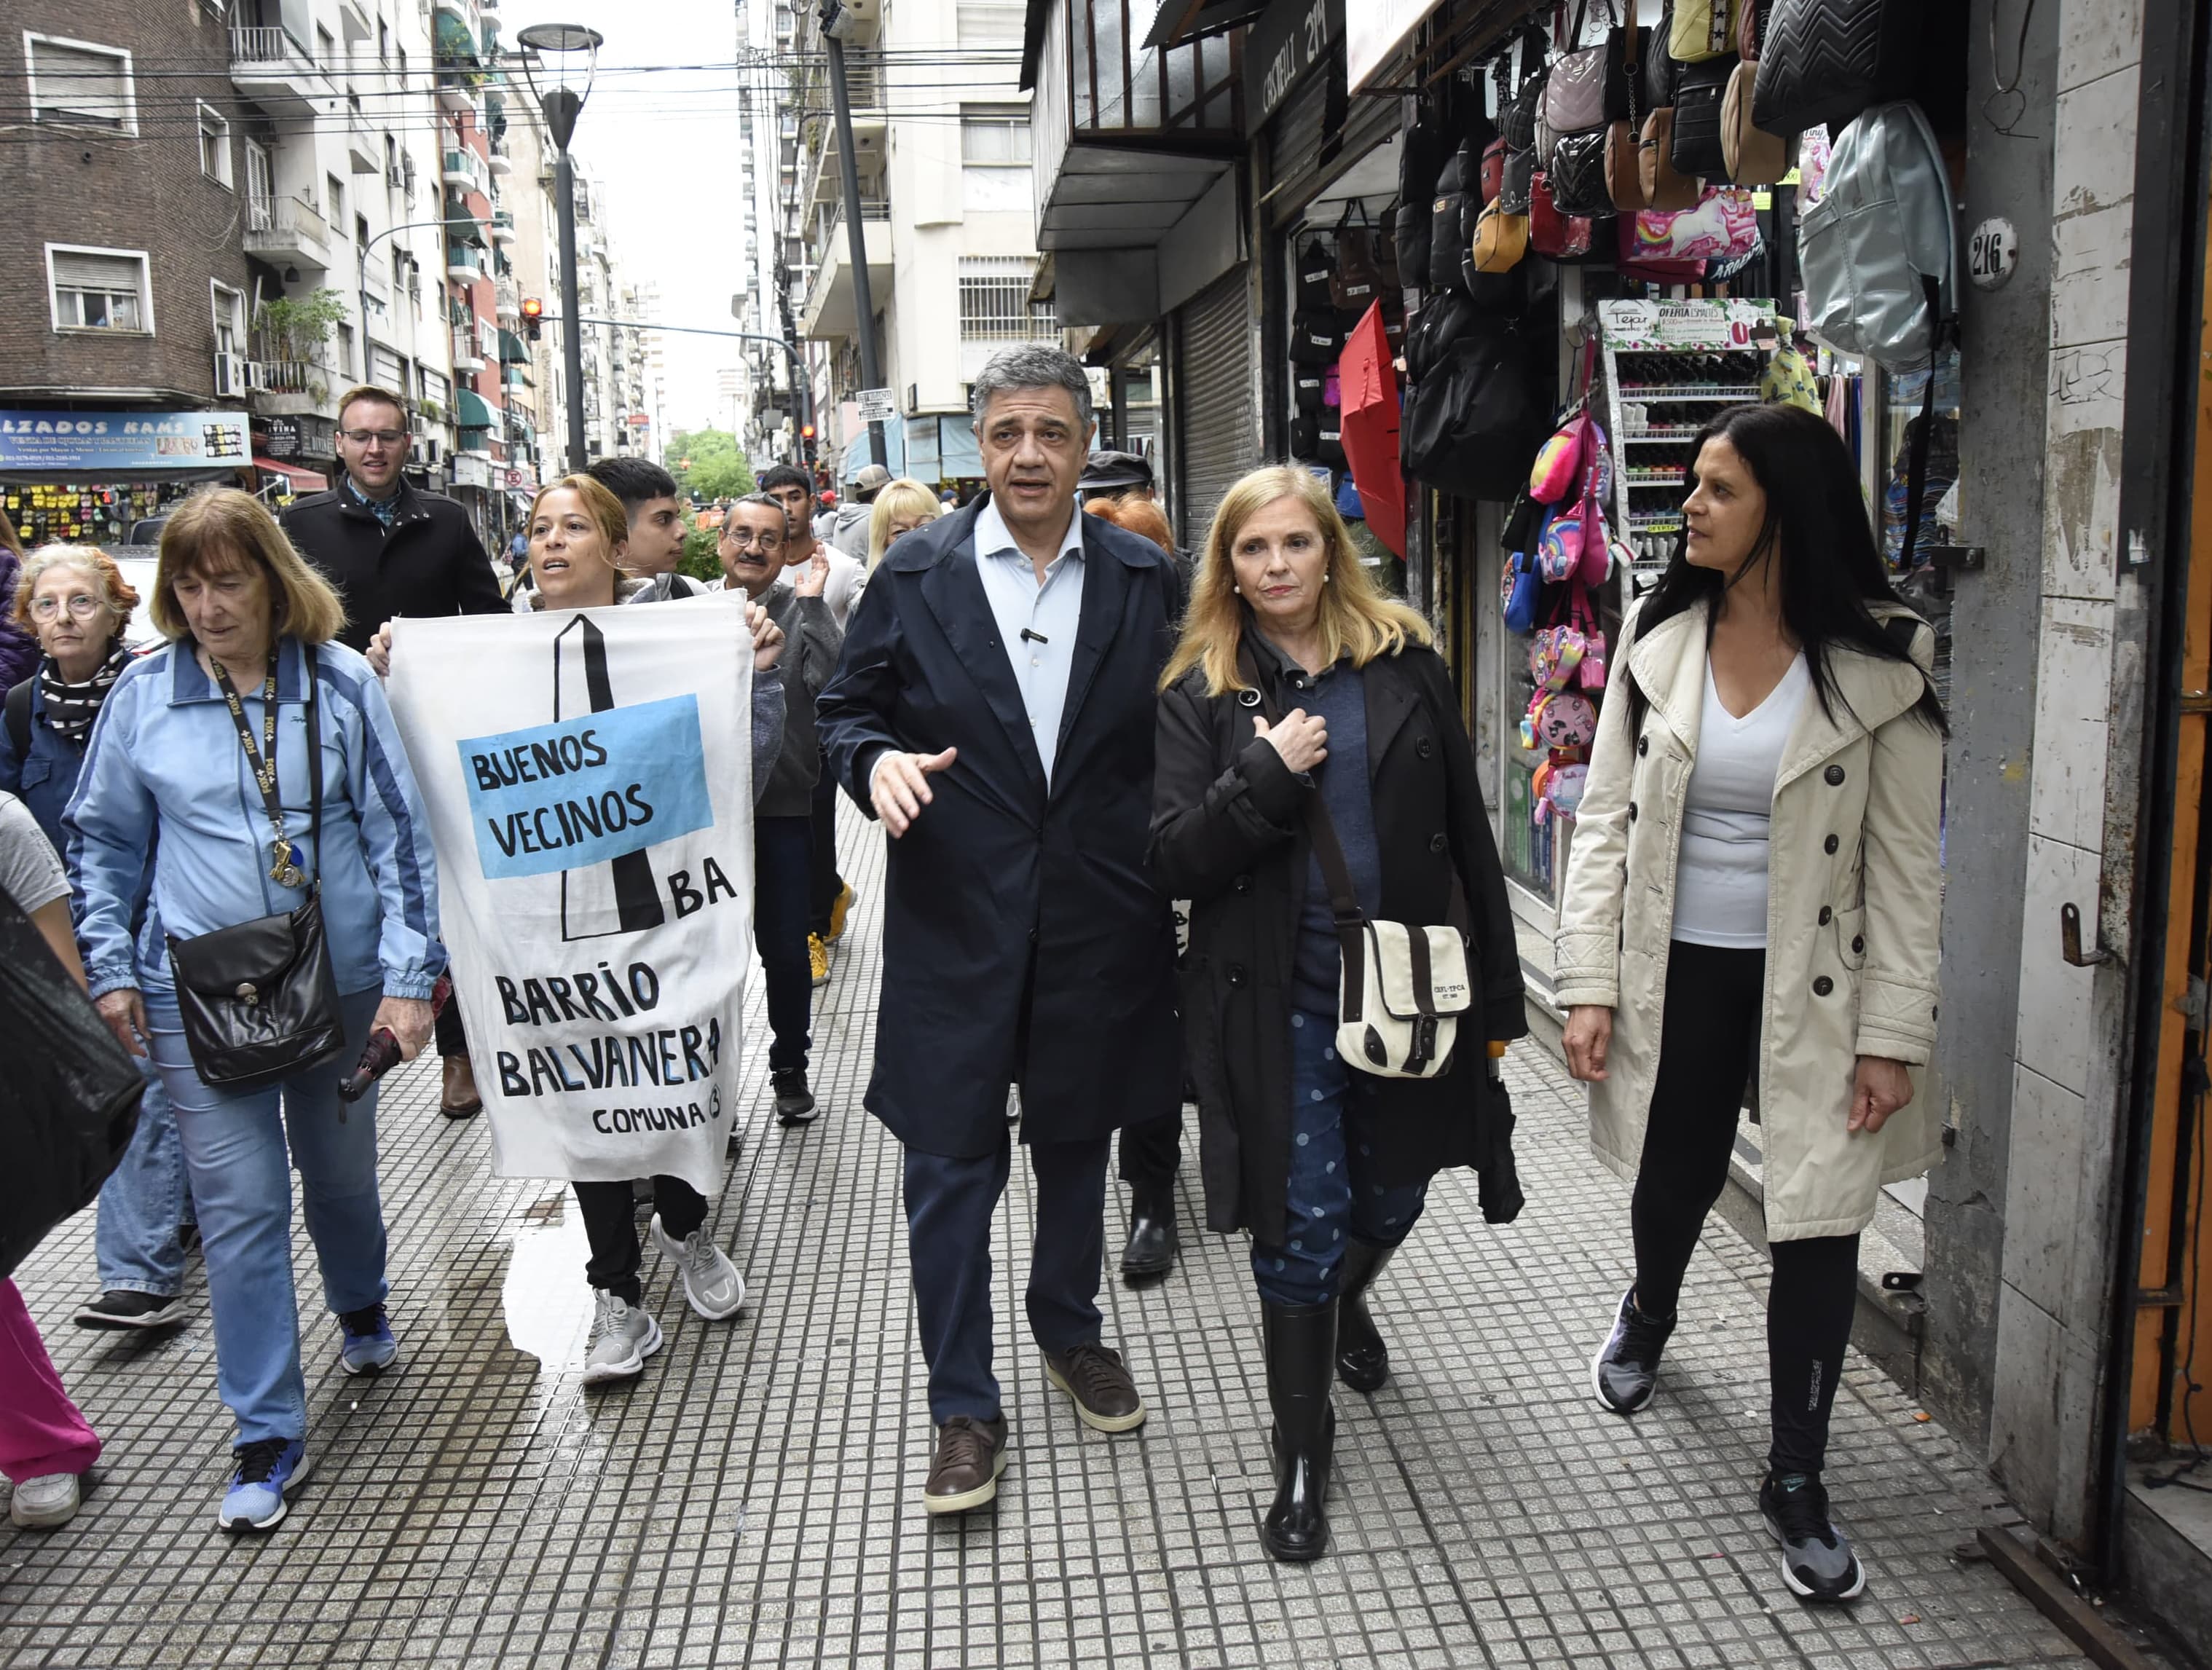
(71, 708)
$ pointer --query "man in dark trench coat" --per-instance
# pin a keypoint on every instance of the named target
(995, 709)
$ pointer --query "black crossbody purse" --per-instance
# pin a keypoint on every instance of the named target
(259, 998)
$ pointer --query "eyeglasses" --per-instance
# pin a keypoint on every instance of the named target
(83, 606)
(743, 538)
(363, 437)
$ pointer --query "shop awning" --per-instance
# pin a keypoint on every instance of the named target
(472, 411)
(303, 481)
(456, 43)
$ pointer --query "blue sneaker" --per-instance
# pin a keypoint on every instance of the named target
(369, 1348)
(267, 1468)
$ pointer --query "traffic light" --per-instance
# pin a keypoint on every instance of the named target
(533, 316)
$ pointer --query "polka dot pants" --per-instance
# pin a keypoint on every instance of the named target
(1331, 1195)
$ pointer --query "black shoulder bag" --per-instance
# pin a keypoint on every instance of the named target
(259, 998)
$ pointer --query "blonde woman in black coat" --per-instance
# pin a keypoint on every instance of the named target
(1328, 1167)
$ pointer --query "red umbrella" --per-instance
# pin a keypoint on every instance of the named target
(1370, 427)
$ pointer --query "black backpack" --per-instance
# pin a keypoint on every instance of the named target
(1420, 159)
(1472, 423)
(18, 720)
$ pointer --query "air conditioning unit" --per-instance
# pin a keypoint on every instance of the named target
(396, 178)
(256, 374)
(230, 376)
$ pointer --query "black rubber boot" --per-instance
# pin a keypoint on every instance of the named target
(1362, 1361)
(1300, 1341)
(1152, 1250)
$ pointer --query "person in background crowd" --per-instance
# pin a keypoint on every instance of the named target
(752, 549)
(76, 600)
(1334, 1165)
(1151, 1150)
(1116, 475)
(46, 1445)
(829, 896)
(657, 522)
(19, 649)
(390, 548)
(196, 772)
(849, 532)
(994, 708)
(902, 505)
(1773, 689)
(578, 538)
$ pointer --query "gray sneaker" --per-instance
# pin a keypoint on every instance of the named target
(1817, 1561)
(711, 1281)
(623, 1336)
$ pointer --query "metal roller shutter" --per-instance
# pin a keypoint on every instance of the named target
(1302, 148)
(1215, 414)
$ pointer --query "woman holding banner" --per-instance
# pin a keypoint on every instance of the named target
(253, 765)
(579, 533)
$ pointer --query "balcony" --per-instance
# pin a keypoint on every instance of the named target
(364, 150)
(460, 11)
(499, 162)
(502, 226)
(465, 170)
(457, 92)
(287, 232)
(268, 67)
(506, 299)
(290, 388)
(829, 314)
(468, 353)
(462, 264)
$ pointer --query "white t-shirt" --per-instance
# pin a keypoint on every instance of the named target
(1720, 878)
(30, 874)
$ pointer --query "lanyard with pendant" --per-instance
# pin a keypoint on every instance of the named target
(281, 869)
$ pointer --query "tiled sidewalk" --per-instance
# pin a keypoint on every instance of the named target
(753, 1500)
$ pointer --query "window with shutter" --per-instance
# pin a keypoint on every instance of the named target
(77, 81)
(98, 289)
(990, 23)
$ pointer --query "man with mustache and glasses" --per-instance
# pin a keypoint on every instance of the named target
(391, 549)
(994, 707)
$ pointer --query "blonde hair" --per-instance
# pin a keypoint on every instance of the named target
(223, 523)
(115, 592)
(374, 394)
(604, 509)
(1355, 617)
(904, 497)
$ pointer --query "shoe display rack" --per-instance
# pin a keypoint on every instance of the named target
(1667, 366)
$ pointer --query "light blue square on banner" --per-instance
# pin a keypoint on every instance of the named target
(586, 790)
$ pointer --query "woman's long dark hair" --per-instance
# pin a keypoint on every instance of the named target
(1817, 528)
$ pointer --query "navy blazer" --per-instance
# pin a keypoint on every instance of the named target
(1024, 940)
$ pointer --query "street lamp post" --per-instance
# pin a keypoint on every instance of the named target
(562, 103)
(837, 22)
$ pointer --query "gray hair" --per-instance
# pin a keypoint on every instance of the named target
(1036, 365)
(774, 504)
(90, 560)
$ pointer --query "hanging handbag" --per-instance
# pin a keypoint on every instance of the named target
(1579, 93)
(1356, 280)
(1578, 174)
(1703, 29)
(1316, 264)
(1516, 120)
(1559, 236)
(1513, 190)
(1754, 156)
(1722, 226)
(1665, 186)
(1501, 240)
(1624, 179)
(1306, 388)
(1829, 61)
(1421, 158)
(1446, 225)
(259, 998)
(1315, 339)
(1519, 589)
(1698, 93)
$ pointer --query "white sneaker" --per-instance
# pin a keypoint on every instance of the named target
(711, 1281)
(50, 1499)
(623, 1336)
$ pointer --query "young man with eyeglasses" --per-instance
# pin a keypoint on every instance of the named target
(829, 899)
(391, 549)
(751, 547)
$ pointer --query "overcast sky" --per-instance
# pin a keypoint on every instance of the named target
(664, 145)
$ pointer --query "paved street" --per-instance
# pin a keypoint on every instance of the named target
(753, 1500)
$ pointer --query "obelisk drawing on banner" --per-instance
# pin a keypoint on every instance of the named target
(619, 897)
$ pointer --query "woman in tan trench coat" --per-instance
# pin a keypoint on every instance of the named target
(1751, 903)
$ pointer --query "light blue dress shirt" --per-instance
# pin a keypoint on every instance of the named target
(1049, 613)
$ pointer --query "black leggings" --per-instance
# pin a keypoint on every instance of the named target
(1707, 1046)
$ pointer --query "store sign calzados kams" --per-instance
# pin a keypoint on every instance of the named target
(589, 780)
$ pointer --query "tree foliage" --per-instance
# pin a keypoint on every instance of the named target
(708, 463)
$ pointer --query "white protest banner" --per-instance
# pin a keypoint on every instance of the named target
(588, 774)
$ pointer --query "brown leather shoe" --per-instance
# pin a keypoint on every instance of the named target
(458, 1098)
(964, 1473)
(1105, 1396)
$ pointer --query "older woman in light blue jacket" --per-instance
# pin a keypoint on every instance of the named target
(170, 781)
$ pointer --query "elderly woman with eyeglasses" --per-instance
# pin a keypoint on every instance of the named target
(75, 602)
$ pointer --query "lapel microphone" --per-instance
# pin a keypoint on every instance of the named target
(1030, 637)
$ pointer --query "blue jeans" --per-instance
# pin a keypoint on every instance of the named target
(783, 864)
(235, 1154)
(143, 1202)
(1330, 1194)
